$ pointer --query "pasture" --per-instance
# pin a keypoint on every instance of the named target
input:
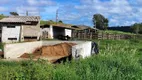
(117, 60)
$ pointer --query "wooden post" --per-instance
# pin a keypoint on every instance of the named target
(90, 35)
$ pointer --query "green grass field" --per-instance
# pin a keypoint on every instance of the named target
(117, 60)
(117, 32)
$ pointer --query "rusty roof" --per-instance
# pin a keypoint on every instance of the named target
(20, 19)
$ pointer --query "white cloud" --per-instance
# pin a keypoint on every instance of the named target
(119, 12)
(41, 2)
(3, 9)
(32, 10)
(139, 2)
(70, 16)
(128, 23)
(4, 1)
(36, 7)
(51, 10)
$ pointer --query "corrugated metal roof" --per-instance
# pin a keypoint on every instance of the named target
(20, 19)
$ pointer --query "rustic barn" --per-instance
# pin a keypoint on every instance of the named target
(20, 28)
(83, 32)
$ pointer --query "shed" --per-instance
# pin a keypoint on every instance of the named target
(83, 32)
(20, 28)
(53, 31)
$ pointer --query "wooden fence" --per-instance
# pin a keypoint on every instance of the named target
(113, 36)
(101, 35)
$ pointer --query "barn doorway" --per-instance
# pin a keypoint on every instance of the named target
(58, 32)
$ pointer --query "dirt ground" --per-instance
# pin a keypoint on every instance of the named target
(51, 52)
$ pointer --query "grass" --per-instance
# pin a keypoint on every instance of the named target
(1, 46)
(117, 60)
(117, 32)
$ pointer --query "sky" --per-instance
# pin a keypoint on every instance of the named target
(78, 12)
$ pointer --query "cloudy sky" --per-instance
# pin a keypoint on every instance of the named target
(119, 12)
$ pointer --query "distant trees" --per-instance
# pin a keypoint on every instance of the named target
(14, 13)
(100, 21)
(60, 21)
(51, 22)
(137, 28)
(42, 22)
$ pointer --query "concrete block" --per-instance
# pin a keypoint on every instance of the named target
(15, 50)
(82, 50)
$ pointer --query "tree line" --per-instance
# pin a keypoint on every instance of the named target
(11, 13)
(137, 28)
(100, 22)
(43, 22)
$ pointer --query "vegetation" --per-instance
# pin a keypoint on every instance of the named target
(2, 46)
(116, 32)
(60, 21)
(100, 21)
(117, 60)
(14, 13)
(137, 28)
(1, 16)
(42, 22)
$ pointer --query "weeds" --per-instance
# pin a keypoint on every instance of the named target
(117, 60)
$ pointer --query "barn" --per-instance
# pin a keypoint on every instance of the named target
(20, 28)
(83, 32)
(54, 31)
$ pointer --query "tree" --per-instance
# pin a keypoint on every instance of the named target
(100, 21)
(137, 28)
(106, 23)
(51, 22)
(60, 21)
(1, 16)
(14, 13)
(42, 22)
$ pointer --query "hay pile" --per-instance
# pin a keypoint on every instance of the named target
(63, 49)
(58, 50)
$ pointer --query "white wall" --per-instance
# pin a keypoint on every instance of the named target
(68, 32)
(15, 50)
(51, 31)
(44, 29)
(47, 30)
(10, 33)
(55, 32)
(83, 49)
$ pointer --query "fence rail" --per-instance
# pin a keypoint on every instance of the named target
(102, 35)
